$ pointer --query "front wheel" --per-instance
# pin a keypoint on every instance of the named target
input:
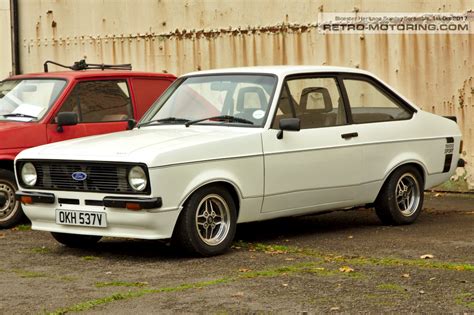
(401, 198)
(10, 210)
(76, 240)
(207, 224)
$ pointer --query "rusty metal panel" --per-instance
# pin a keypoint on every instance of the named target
(5, 40)
(434, 71)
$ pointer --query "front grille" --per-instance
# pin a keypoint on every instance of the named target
(102, 177)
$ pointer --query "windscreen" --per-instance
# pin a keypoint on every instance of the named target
(243, 96)
(29, 99)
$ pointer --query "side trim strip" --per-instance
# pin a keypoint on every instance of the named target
(207, 160)
(290, 152)
(354, 145)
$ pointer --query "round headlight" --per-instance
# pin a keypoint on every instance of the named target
(28, 174)
(137, 178)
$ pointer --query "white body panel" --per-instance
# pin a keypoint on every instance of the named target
(312, 167)
(307, 171)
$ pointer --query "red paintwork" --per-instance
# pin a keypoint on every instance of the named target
(16, 136)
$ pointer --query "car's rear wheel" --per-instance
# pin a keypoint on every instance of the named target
(10, 211)
(76, 240)
(401, 198)
(207, 224)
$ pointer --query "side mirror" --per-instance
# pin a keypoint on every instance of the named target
(131, 123)
(290, 124)
(3, 199)
(66, 119)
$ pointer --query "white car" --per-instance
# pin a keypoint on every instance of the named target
(237, 145)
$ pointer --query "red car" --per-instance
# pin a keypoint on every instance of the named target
(41, 108)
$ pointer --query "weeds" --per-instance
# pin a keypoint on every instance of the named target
(121, 284)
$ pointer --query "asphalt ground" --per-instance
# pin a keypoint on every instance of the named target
(341, 262)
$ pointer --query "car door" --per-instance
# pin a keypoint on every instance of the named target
(102, 106)
(318, 167)
(383, 121)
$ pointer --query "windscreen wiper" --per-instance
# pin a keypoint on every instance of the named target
(163, 120)
(221, 117)
(19, 115)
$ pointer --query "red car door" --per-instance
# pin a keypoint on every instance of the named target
(102, 106)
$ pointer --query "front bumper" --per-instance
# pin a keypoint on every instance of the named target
(149, 222)
(107, 201)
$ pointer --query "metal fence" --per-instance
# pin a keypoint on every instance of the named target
(435, 71)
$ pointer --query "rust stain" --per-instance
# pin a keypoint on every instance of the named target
(435, 71)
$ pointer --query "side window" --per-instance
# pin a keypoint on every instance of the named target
(316, 101)
(370, 104)
(100, 101)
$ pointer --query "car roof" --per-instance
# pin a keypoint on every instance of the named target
(92, 74)
(282, 70)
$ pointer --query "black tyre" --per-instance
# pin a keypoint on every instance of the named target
(10, 211)
(207, 224)
(76, 240)
(401, 199)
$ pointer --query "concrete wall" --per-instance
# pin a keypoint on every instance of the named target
(5, 40)
(435, 71)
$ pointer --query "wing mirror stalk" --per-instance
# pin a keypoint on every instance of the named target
(289, 124)
(66, 119)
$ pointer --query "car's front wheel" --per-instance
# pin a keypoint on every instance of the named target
(10, 210)
(207, 224)
(76, 240)
(401, 198)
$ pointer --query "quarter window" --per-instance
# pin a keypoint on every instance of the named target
(100, 101)
(370, 104)
(316, 101)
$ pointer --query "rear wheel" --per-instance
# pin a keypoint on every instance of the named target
(76, 240)
(10, 211)
(207, 224)
(401, 198)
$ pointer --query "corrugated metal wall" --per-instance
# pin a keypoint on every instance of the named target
(435, 71)
(5, 40)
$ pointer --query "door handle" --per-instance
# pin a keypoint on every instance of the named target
(349, 135)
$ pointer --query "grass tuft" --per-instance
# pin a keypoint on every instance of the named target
(121, 284)
(88, 258)
(40, 250)
(29, 274)
(465, 299)
(391, 287)
(22, 227)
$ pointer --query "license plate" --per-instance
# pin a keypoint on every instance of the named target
(81, 218)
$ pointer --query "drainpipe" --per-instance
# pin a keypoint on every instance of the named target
(15, 37)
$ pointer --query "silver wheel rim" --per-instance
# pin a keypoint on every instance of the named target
(9, 208)
(213, 219)
(407, 193)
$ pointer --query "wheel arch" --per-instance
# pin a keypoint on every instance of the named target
(419, 166)
(230, 186)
